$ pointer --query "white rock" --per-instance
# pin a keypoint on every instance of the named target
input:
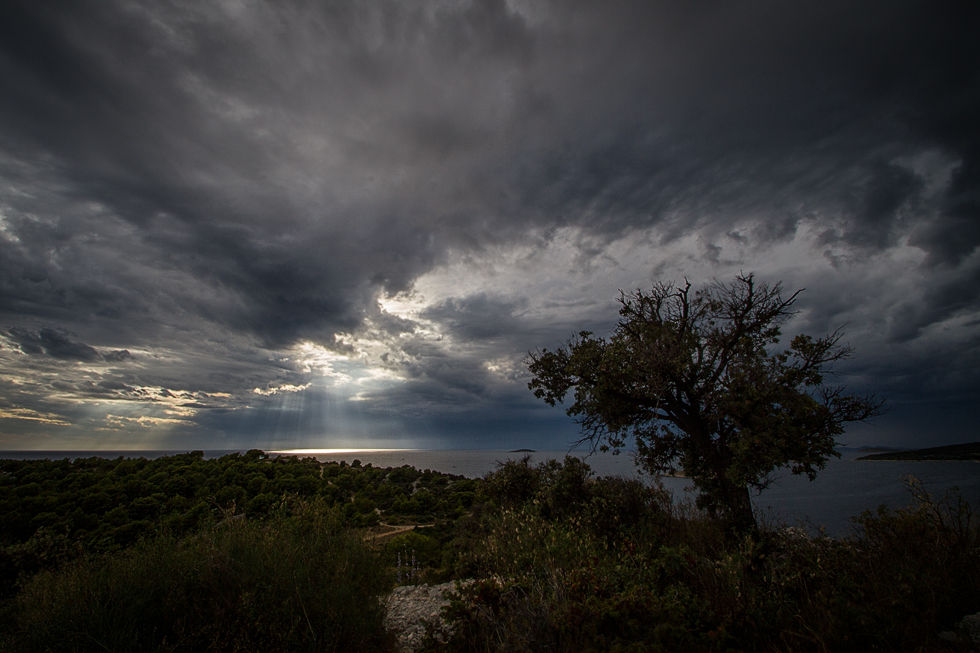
(411, 607)
(971, 624)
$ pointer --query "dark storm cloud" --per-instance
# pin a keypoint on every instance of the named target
(887, 198)
(955, 234)
(477, 317)
(169, 124)
(54, 344)
(207, 184)
(945, 298)
(59, 345)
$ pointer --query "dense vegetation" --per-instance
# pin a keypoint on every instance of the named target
(242, 552)
(52, 510)
(249, 553)
(580, 564)
(289, 584)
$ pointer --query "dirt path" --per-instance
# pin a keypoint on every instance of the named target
(375, 536)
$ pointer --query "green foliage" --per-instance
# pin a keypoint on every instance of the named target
(693, 380)
(426, 554)
(566, 490)
(297, 583)
(101, 506)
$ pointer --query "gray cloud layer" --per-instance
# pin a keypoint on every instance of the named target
(190, 190)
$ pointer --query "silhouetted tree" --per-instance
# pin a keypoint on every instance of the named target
(695, 380)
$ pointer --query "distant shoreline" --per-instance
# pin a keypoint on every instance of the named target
(968, 452)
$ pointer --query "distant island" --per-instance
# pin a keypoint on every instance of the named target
(870, 450)
(967, 451)
(523, 451)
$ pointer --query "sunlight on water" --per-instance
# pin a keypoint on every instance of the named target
(330, 452)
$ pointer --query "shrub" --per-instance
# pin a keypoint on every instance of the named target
(514, 483)
(292, 584)
(904, 576)
(667, 577)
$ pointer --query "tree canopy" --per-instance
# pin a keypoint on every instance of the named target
(697, 381)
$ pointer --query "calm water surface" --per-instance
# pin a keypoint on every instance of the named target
(841, 491)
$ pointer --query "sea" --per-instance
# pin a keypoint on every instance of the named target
(842, 491)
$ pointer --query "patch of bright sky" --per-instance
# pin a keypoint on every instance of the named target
(286, 387)
(316, 359)
(32, 415)
(330, 452)
(5, 228)
(570, 277)
(338, 368)
(571, 280)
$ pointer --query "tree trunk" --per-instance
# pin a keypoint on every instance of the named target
(733, 499)
(738, 505)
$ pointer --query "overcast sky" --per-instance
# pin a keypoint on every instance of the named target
(233, 224)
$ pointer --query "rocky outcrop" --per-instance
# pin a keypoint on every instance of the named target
(411, 607)
(967, 632)
(970, 625)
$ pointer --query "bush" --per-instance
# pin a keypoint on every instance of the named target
(292, 584)
(667, 577)
(902, 578)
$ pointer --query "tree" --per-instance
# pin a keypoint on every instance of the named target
(696, 381)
